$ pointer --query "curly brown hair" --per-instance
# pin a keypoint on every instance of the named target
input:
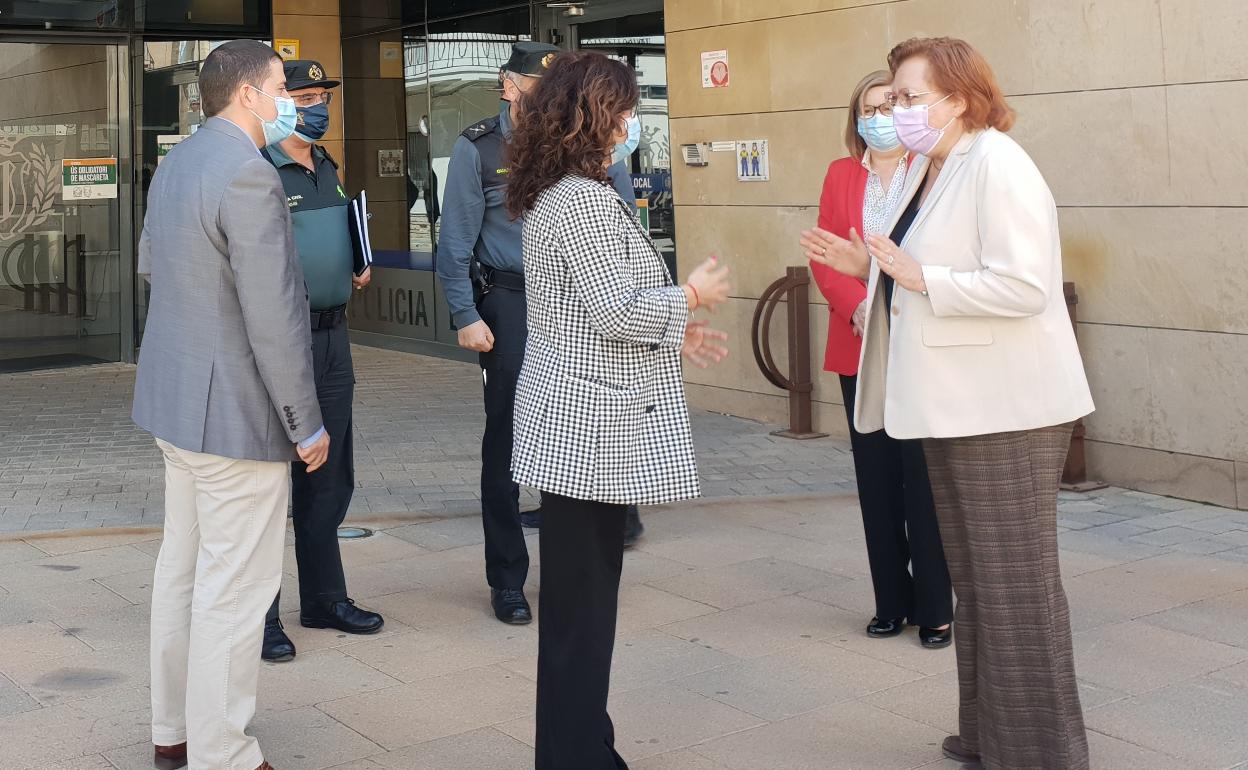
(568, 125)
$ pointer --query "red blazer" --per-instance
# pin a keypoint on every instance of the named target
(840, 208)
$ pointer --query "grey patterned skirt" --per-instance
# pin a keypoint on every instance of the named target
(996, 501)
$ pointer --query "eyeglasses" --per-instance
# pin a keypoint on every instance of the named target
(905, 99)
(868, 111)
(311, 100)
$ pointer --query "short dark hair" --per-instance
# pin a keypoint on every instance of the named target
(230, 66)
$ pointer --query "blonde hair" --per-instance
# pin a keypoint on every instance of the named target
(853, 142)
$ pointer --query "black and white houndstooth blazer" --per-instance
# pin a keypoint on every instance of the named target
(600, 406)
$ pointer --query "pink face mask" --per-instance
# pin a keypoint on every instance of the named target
(913, 129)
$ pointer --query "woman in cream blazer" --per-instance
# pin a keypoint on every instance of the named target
(968, 346)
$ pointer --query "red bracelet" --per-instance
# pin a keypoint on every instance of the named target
(697, 300)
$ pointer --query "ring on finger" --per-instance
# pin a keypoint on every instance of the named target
(891, 259)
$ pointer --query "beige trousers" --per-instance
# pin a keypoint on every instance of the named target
(219, 568)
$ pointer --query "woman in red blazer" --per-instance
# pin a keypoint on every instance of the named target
(860, 194)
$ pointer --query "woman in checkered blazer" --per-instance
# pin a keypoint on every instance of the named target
(601, 420)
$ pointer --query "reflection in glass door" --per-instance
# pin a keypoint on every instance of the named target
(62, 192)
(638, 40)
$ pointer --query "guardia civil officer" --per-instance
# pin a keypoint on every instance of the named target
(479, 262)
(318, 208)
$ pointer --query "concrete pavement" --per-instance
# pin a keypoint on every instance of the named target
(741, 647)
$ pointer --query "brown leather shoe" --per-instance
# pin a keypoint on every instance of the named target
(954, 749)
(169, 757)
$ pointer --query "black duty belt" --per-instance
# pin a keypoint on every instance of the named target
(503, 279)
(328, 319)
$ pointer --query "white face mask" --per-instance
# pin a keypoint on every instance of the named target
(626, 148)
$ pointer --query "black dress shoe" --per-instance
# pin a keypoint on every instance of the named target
(953, 748)
(343, 616)
(885, 628)
(935, 639)
(510, 606)
(633, 528)
(531, 519)
(277, 645)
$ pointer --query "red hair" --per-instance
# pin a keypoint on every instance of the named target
(957, 68)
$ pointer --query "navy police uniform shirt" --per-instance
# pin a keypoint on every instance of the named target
(475, 221)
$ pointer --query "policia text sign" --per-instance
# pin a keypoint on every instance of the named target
(88, 178)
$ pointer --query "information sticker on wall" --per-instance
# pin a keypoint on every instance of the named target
(165, 143)
(391, 55)
(88, 178)
(754, 165)
(287, 48)
(389, 163)
(714, 69)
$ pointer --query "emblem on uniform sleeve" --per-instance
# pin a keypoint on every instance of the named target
(315, 73)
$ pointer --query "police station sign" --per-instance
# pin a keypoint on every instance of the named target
(88, 178)
(397, 302)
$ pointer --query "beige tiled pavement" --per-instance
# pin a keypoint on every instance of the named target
(740, 648)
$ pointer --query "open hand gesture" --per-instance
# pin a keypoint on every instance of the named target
(849, 257)
(905, 271)
(702, 344)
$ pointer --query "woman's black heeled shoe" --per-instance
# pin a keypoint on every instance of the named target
(934, 639)
(881, 629)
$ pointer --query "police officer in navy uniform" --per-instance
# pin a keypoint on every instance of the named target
(481, 267)
(318, 208)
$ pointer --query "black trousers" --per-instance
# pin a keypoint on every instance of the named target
(582, 555)
(320, 500)
(506, 555)
(899, 519)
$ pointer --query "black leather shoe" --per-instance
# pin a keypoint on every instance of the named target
(633, 528)
(935, 639)
(953, 748)
(343, 616)
(885, 628)
(277, 645)
(510, 606)
(531, 519)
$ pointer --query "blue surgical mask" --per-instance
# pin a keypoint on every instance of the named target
(878, 132)
(312, 122)
(281, 127)
(623, 151)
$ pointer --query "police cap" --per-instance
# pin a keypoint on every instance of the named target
(532, 59)
(306, 73)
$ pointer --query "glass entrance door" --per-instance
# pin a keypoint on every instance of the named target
(64, 261)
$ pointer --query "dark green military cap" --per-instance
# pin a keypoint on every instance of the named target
(306, 73)
(532, 59)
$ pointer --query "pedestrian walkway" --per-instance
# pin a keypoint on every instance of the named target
(741, 647)
(74, 460)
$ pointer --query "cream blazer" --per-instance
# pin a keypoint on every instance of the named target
(991, 348)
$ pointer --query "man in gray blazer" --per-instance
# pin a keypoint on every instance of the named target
(225, 386)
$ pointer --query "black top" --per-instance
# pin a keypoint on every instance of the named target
(898, 235)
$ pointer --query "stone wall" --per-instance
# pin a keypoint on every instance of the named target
(1133, 109)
